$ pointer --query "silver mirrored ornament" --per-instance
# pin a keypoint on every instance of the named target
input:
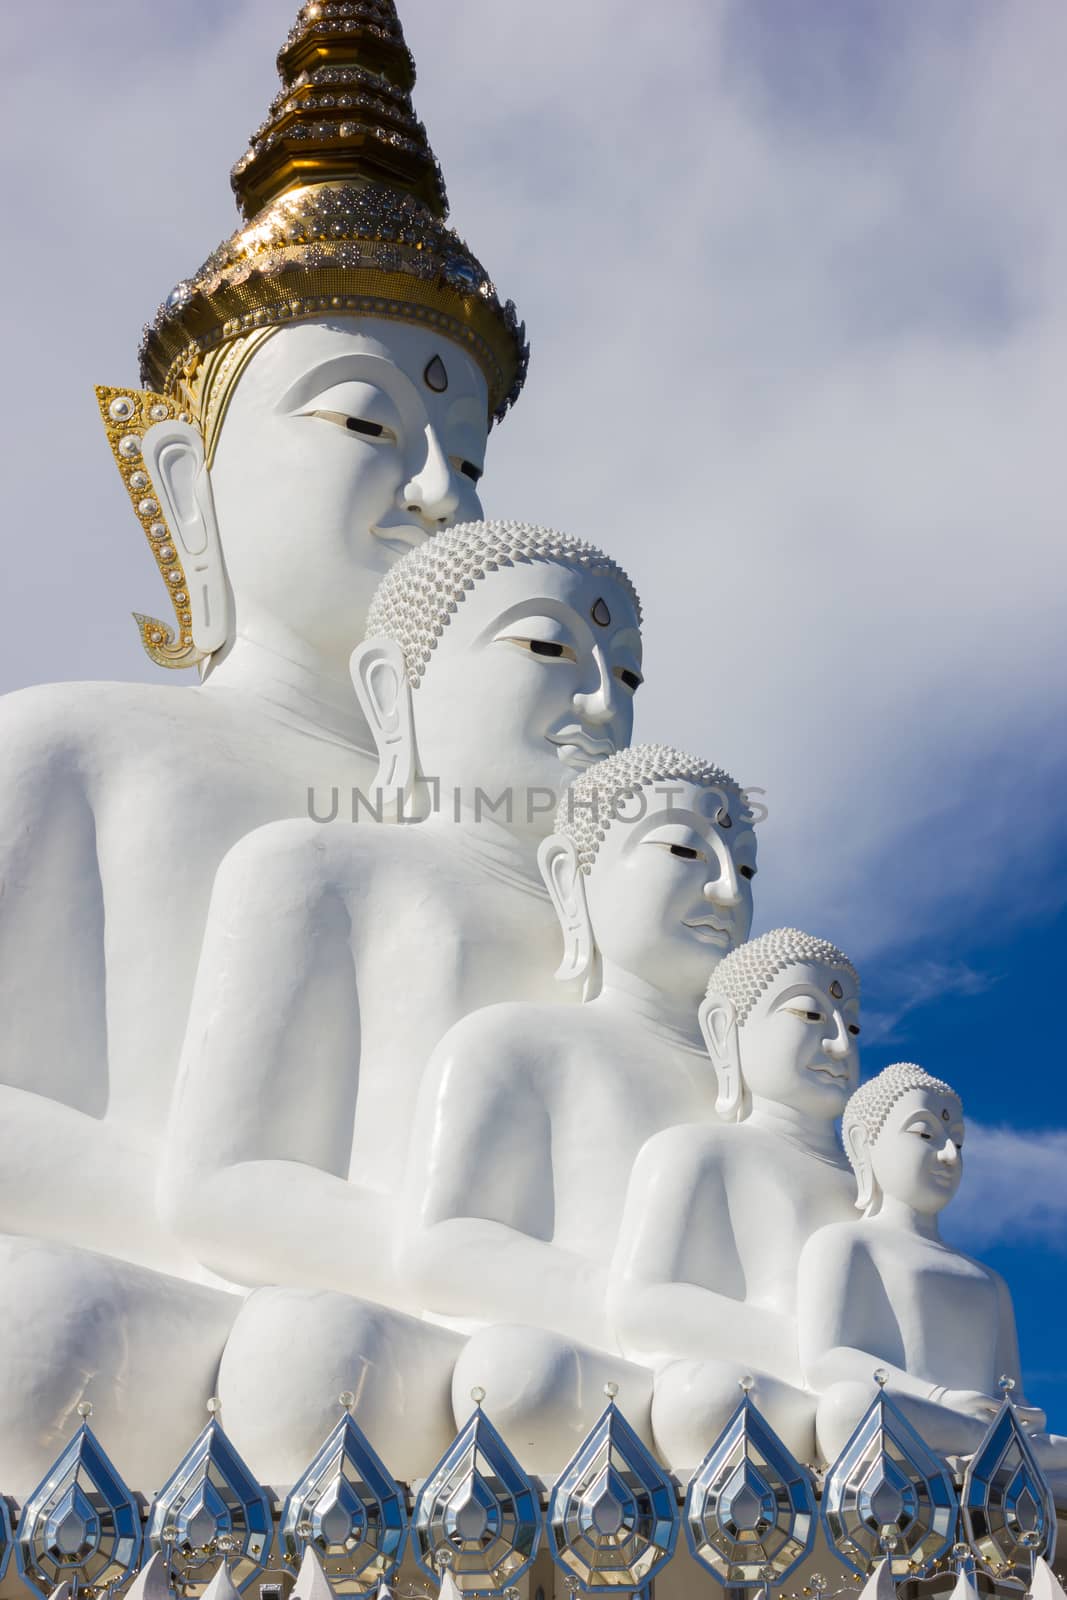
(887, 1494)
(350, 1511)
(80, 1524)
(211, 1510)
(750, 1513)
(477, 1513)
(613, 1515)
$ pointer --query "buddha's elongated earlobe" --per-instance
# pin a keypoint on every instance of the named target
(379, 673)
(173, 454)
(718, 1024)
(558, 860)
(859, 1152)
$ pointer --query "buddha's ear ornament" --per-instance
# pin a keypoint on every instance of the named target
(718, 1024)
(558, 859)
(380, 678)
(160, 456)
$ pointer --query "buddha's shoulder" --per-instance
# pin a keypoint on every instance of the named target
(691, 1144)
(71, 718)
(848, 1241)
(336, 854)
(505, 1032)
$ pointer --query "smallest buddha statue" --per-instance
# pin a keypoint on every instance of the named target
(889, 1292)
(704, 1278)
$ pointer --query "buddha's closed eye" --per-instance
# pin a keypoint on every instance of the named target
(550, 649)
(684, 852)
(360, 425)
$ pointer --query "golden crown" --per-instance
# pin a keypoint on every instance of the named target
(344, 209)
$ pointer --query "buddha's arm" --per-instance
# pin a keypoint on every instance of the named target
(53, 1017)
(255, 1178)
(480, 1210)
(847, 1325)
(71, 1177)
(677, 1226)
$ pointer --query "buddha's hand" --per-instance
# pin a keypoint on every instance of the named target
(1032, 1419)
(971, 1403)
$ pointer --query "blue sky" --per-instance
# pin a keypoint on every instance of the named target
(796, 282)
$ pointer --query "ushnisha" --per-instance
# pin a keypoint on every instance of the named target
(531, 1115)
(704, 1279)
(505, 660)
(319, 403)
(887, 1292)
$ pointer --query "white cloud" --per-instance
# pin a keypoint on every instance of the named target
(797, 304)
(1014, 1189)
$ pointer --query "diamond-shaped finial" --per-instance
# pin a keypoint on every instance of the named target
(80, 1523)
(1005, 1496)
(478, 1505)
(750, 1507)
(347, 1508)
(211, 1498)
(886, 1485)
(612, 1516)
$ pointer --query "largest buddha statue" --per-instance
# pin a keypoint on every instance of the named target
(319, 399)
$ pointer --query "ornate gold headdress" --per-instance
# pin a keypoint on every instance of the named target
(344, 209)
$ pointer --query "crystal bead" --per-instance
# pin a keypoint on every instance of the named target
(148, 508)
(121, 408)
(129, 446)
(138, 480)
(158, 530)
(159, 413)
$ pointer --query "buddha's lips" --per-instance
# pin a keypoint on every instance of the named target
(580, 749)
(822, 1069)
(400, 536)
(710, 931)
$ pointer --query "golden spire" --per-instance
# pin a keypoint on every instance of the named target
(344, 211)
(344, 111)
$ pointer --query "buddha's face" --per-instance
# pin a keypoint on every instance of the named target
(917, 1157)
(346, 442)
(798, 1044)
(670, 892)
(526, 688)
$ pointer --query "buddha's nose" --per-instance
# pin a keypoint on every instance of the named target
(599, 704)
(724, 889)
(838, 1044)
(948, 1153)
(431, 493)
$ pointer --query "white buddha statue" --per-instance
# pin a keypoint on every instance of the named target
(531, 1114)
(704, 1278)
(886, 1291)
(502, 659)
(322, 392)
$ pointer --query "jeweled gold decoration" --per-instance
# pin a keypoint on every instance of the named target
(344, 207)
(128, 414)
